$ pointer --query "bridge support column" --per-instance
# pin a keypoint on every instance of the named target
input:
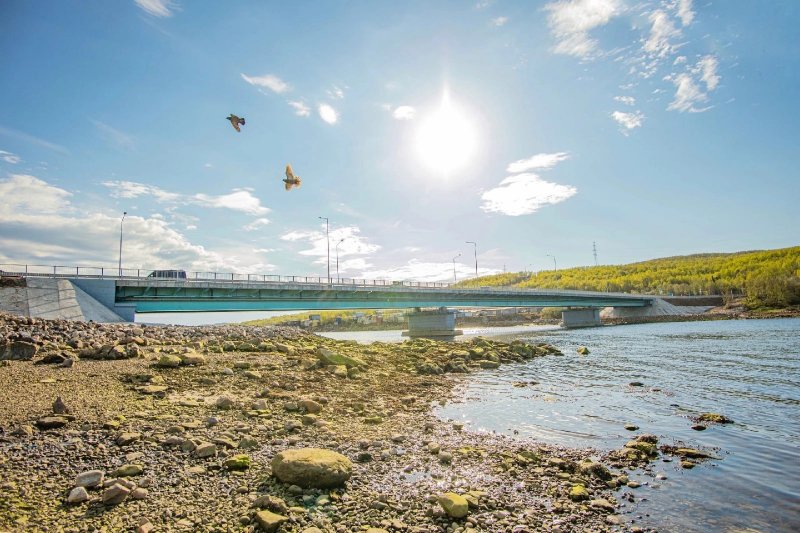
(580, 318)
(434, 323)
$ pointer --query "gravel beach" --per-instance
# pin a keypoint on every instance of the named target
(126, 427)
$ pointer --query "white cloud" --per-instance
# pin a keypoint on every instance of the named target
(524, 194)
(131, 189)
(337, 93)
(685, 12)
(661, 33)
(191, 227)
(627, 100)
(115, 136)
(628, 121)
(22, 136)
(404, 112)
(570, 21)
(239, 200)
(328, 113)
(537, 161)
(300, 108)
(8, 157)
(352, 243)
(256, 224)
(689, 94)
(499, 21)
(22, 193)
(707, 68)
(33, 207)
(157, 8)
(268, 81)
(357, 263)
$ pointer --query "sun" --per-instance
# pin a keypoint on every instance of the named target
(446, 139)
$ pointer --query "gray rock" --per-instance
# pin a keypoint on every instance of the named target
(205, 449)
(312, 467)
(115, 494)
(90, 478)
(77, 495)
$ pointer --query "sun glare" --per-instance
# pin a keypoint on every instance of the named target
(446, 139)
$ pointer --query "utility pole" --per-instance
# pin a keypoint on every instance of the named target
(337, 259)
(594, 252)
(120, 241)
(328, 239)
(475, 251)
(555, 266)
(454, 267)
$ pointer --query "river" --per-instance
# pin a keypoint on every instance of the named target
(748, 370)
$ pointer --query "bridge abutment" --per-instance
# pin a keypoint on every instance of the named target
(433, 323)
(580, 318)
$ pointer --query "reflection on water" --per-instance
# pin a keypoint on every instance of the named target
(746, 370)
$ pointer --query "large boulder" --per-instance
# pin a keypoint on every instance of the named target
(18, 350)
(312, 467)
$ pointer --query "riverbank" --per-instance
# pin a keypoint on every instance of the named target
(164, 414)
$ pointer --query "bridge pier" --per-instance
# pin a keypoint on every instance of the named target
(580, 318)
(433, 323)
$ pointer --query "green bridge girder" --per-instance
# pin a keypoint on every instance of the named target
(175, 296)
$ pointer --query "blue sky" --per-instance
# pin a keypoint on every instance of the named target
(653, 128)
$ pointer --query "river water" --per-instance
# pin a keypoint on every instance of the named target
(748, 370)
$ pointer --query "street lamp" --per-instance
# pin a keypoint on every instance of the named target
(337, 258)
(120, 241)
(475, 250)
(454, 267)
(554, 262)
(327, 238)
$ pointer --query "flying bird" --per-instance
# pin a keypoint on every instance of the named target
(235, 121)
(291, 180)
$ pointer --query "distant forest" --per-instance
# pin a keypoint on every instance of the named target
(766, 279)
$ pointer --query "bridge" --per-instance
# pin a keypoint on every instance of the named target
(128, 292)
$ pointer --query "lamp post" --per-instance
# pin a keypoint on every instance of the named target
(337, 258)
(120, 241)
(327, 238)
(454, 267)
(475, 250)
(554, 262)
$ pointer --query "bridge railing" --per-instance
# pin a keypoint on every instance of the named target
(67, 271)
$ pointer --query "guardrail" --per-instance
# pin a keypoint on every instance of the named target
(62, 271)
(65, 271)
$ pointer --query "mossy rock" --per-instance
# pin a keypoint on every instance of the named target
(169, 361)
(240, 461)
(455, 505)
(578, 493)
(714, 417)
(329, 357)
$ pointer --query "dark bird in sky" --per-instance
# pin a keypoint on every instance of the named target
(235, 121)
(291, 180)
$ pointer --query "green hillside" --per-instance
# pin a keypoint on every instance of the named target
(767, 278)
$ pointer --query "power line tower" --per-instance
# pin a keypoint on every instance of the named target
(594, 252)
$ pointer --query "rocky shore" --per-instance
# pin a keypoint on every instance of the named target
(233, 428)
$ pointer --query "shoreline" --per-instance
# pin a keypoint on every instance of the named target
(377, 414)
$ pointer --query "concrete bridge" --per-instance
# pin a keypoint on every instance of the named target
(137, 292)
